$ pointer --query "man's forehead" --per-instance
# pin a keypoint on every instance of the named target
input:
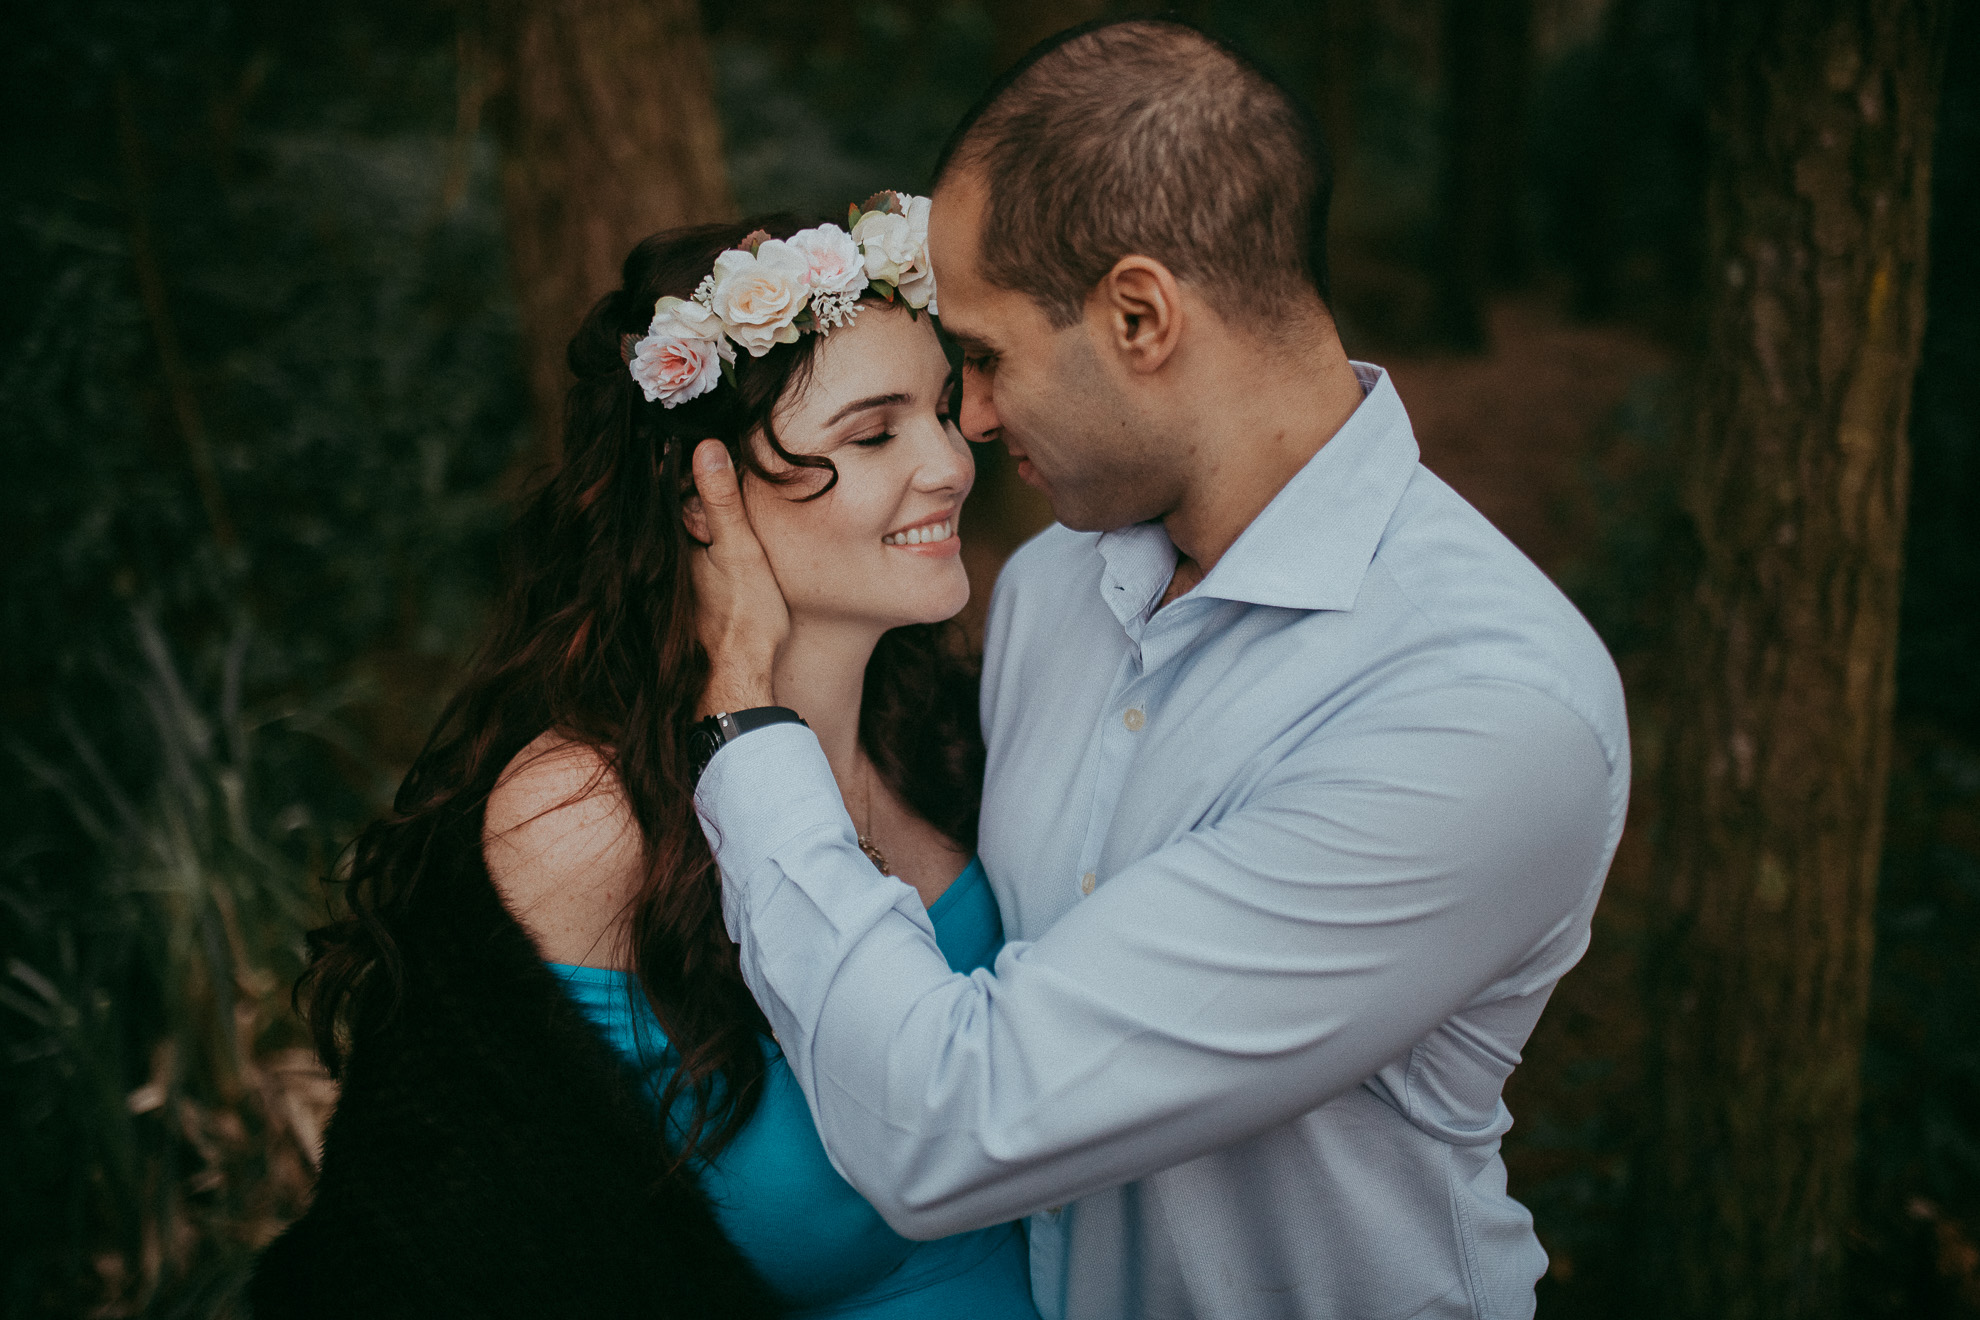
(963, 332)
(952, 227)
(954, 220)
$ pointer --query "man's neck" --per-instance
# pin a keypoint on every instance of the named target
(1266, 424)
(1183, 581)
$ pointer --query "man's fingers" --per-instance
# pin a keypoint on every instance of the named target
(721, 498)
(739, 612)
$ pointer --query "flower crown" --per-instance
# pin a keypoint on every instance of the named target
(767, 291)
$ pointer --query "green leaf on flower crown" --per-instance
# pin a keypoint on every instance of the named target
(728, 371)
(884, 202)
(852, 217)
(884, 289)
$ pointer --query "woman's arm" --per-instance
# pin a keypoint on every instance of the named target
(564, 851)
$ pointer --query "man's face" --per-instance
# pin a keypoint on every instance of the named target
(1080, 429)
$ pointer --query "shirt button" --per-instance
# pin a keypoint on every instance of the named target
(1087, 881)
(1134, 719)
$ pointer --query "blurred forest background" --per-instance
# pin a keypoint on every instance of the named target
(285, 294)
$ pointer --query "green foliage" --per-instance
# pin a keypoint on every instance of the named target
(149, 1045)
(818, 109)
(259, 391)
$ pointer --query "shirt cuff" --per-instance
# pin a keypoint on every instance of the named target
(758, 794)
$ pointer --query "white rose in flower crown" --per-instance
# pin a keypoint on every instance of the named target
(833, 258)
(918, 290)
(684, 319)
(896, 247)
(889, 243)
(759, 296)
(917, 283)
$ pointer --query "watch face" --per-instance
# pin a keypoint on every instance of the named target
(703, 743)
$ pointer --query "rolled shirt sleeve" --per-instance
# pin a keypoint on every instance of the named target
(1396, 864)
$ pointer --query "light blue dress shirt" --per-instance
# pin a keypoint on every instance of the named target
(1289, 869)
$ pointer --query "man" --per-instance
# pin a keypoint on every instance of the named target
(1302, 781)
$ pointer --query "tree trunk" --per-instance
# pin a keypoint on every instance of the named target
(1821, 116)
(609, 133)
(1486, 46)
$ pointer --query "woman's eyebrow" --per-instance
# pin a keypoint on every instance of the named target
(861, 405)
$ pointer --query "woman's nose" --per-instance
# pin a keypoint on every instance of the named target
(946, 463)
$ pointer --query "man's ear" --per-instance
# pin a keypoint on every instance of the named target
(1140, 308)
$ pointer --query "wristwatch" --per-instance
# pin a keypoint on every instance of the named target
(711, 735)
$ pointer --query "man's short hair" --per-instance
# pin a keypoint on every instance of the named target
(1147, 136)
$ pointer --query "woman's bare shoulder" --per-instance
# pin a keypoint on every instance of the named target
(563, 849)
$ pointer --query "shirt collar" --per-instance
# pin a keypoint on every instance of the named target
(1310, 547)
(1140, 559)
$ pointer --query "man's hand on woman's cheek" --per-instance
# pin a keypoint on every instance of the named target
(739, 611)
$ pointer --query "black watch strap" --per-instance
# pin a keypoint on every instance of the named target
(711, 735)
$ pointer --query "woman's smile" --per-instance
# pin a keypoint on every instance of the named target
(876, 406)
(934, 536)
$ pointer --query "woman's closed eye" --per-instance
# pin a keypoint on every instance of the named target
(875, 441)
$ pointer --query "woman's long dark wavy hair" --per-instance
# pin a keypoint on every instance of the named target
(594, 640)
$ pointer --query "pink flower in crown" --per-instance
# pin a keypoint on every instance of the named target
(682, 354)
(833, 258)
(759, 294)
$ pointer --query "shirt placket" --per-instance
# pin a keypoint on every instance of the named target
(1122, 721)
(1132, 701)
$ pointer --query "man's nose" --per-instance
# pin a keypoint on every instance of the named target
(978, 416)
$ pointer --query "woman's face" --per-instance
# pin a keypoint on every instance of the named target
(880, 549)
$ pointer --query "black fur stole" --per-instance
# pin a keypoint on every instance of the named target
(492, 1156)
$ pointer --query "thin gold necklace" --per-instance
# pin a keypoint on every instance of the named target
(866, 844)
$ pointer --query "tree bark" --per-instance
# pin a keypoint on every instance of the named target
(610, 133)
(1821, 118)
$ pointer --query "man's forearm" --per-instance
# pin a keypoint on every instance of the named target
(1238, 977)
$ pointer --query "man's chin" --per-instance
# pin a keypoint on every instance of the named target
(1078, 514)
(1076, 517)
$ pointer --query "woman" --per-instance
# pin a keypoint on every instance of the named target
(500, 1145)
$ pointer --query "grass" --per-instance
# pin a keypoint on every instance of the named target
(167, 1114)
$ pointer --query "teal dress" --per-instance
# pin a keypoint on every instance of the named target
(823, 1249)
